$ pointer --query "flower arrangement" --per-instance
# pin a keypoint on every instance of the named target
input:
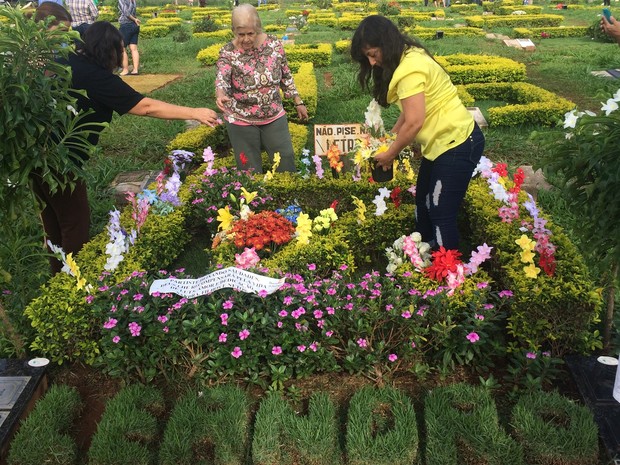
(262, 231)
(508, 192)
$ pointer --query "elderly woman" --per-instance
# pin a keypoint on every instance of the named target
(252, 69)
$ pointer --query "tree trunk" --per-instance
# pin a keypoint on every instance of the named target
(611, 302)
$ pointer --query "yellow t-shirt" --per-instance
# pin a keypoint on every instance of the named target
(447, 122)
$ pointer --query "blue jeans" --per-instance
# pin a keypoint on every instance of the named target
(441, 188)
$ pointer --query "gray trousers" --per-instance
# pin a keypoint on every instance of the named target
(273, 137)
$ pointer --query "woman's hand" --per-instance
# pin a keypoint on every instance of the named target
(206, 116)
(302, 112)
(611, 28)
(385, 159)
(223, 102)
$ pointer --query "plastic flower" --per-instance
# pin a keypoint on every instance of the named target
(225, 218)
(444, 262)
(360, 209)
(333, 155)
(531, 271)
(303, 231)
(525, 243)
(248, 196)
(247, 259)
(610, 106)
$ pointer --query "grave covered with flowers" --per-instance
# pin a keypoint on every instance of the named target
(358, 290)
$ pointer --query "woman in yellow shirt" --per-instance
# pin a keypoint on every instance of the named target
(398, 69)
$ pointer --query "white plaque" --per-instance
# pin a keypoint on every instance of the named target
(343, 135)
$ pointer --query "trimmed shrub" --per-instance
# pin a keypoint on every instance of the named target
(283, 437)
(462, 427)
(128, 430)
(43, 437)
(555, 430)
(381, 428)
(211, 425)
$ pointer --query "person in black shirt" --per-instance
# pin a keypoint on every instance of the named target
(66, 214)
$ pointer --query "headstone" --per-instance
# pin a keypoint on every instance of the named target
(20, 387)
(534, 181)
(478, 116)
(523, 44)
(131, 181)
(610, 73)
(595, 381)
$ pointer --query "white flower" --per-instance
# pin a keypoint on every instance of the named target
(570, 119)
(373, 116)
(384, 192)
(609, 107)
(72, 110)
(381, 205)
(617, 95)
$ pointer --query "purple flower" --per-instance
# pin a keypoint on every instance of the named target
(473, 337)
(137, 297)
(236, 352)
(505, 293)
(90, 298)
(276, 350)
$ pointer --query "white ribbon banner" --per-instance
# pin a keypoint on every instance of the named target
(236, 278)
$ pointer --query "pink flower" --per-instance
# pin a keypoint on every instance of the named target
(224, 318)
(363, 343)
(137, 297)
(279, 324)
(162, 318)
(287, 300)
(406, 314)
(111, 323)
(116, 339)
(223, 337)
(244, 334)
(301, 348)
(329, 333)
(314, 346)
(479, 317)
(413, 345)
(343, 267)
(531, 355)
(389, 307)
(134, 329)
(505, 293)
(473, 337)
(236, 352)
(312, 267)
(90, 298)
(165, 329)
(247, 259)
(227, 305)
(392, 357)
(318, 314)
(276, 350)
(283, 313)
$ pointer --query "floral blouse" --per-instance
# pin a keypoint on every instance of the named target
(253, 80)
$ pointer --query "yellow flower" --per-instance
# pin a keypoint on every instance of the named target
(304, 229)
(268, 176)
(527, 256)
(248, 196)
(276, 161)
(225, 218)
(75, 271)
(382, 148)
(361, 209)
(408, 169)
(525, 243)
(531, 271)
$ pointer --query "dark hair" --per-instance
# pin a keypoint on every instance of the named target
(378, 31)
(103, 45)
(47, 9)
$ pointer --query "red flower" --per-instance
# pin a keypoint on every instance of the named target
(243, 158)
(444, 262)
(167, 167)
(395, 196)
(518, 179)
(547, 262)
(334, 204)
(501, 169)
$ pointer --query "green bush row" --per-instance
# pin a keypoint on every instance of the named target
(213, 426)
(489, 22)
(553, 32)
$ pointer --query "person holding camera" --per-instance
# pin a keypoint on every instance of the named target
(611, 27)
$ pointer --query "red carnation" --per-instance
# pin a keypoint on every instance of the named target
(444, 262)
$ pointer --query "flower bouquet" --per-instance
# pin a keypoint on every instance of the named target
(373, 141)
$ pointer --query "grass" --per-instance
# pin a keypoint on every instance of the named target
(560, 65)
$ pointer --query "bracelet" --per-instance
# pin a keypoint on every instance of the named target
(300, 104)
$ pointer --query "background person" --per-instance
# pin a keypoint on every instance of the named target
(251, 70)
(612, 29)
(130, 29)
(83, 14)
(403, 72)
(66, 213)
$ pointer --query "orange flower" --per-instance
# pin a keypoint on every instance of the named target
(333, 155)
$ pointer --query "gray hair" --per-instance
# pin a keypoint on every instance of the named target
(245, 15)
